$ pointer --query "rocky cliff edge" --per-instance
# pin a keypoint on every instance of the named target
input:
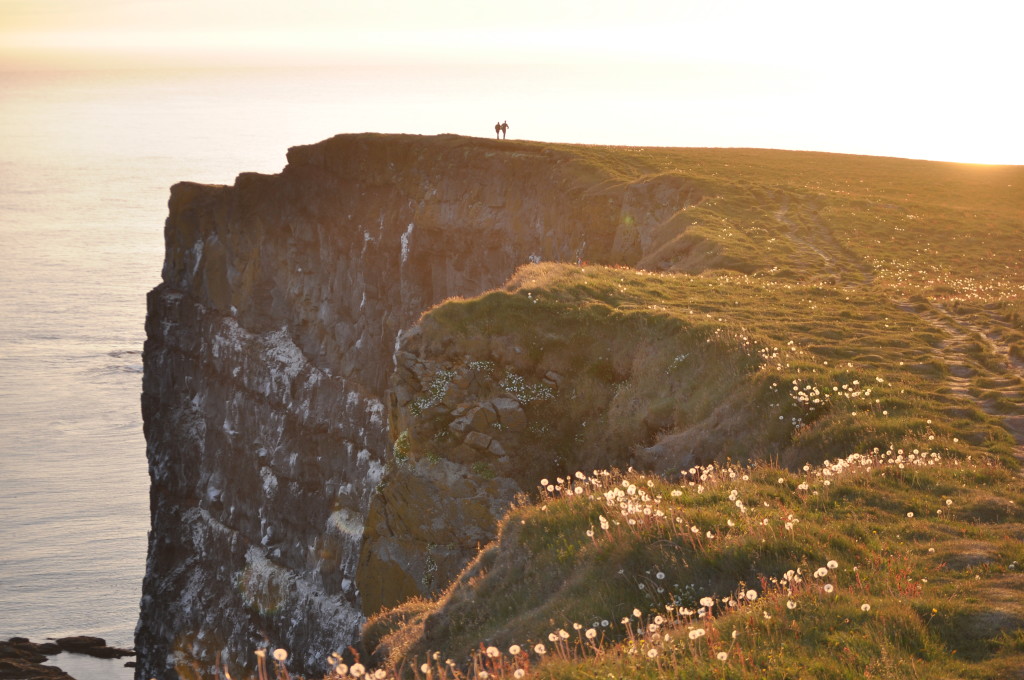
(269, 349)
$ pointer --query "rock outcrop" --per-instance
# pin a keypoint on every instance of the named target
(494, 394)
(21, 659)
(90, 645)
(269, 348)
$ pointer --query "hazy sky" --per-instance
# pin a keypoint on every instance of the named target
(956, 65)
(927, 35)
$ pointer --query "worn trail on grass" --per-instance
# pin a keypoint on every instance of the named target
(981, 368)
(809, 232)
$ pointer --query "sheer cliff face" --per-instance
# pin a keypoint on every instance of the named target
(270, 346)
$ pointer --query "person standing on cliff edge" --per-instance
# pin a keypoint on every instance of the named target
(497, 130)
(504, 129)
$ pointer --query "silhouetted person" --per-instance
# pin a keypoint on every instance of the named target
(504, 129)
(497, 130)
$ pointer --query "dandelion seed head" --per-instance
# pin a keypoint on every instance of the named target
(493, 652)
(519, 673)
(357, 670)
(281, 654)
(540, 649)
(590, 634)
(790, 604)
(652, 652)
(751, 595)
(865, 607)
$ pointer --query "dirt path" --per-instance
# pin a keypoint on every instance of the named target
(808, 232)
(981, 368)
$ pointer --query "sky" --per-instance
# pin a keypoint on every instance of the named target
(946, 73)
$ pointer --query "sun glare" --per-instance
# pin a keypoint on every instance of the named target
(912, 78)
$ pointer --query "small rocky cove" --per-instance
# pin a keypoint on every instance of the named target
(22, 659)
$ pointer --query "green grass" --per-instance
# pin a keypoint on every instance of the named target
(927, 616)
(746, 367)
(903, 224)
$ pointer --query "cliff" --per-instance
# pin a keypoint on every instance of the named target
(354, 367)
(268, 354)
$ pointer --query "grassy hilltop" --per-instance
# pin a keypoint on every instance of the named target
(817, 370)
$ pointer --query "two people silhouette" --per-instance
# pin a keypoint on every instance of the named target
(500, 130)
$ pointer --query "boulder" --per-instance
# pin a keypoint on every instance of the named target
(478, 440)
(510, 413)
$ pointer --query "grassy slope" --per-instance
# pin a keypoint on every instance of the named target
(903, 276)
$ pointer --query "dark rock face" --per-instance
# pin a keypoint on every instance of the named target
(269, 349)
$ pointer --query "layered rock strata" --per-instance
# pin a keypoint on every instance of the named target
(269, 348)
